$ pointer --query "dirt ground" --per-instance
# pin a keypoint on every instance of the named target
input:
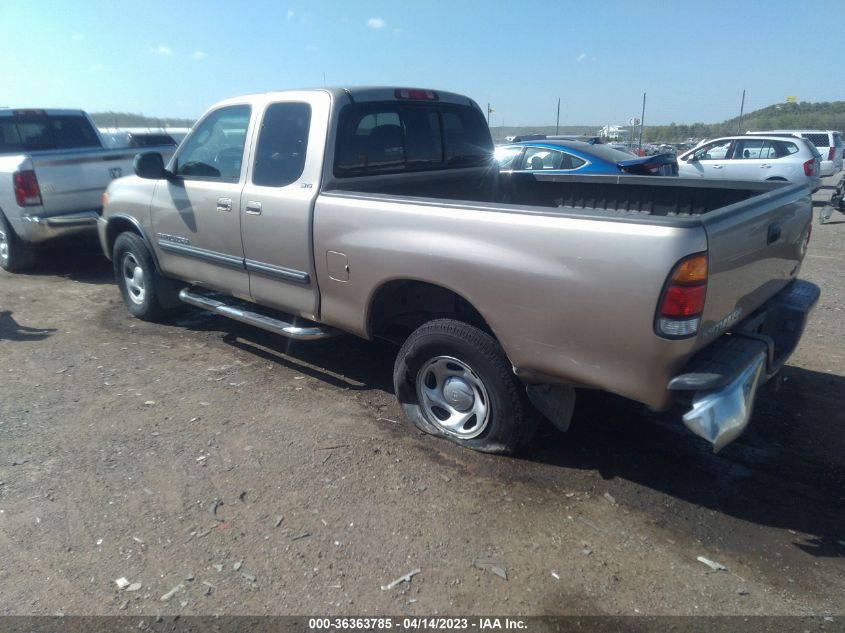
(228, 471)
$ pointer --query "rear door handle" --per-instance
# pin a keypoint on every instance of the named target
(765, 166)
(716, 166)
(253, 208)
(224, 204)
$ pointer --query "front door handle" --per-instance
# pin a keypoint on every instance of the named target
(716, 166)
(224, 204)
(253, 208)
(765, 166)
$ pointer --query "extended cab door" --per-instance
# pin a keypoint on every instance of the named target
(195, 212)
(278, 200)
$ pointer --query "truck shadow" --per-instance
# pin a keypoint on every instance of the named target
(345, 361)
(786, 471)
(78, 262)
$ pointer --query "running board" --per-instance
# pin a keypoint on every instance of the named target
(277, 326)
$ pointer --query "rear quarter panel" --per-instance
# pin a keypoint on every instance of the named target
(568, 298)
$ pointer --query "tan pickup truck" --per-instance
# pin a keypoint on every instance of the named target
(380, 212)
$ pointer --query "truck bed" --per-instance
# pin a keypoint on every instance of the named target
(603, 196)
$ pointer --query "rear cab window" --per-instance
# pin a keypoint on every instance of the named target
(819, 140)
(282, 144)
(33, 131)
(391, 137)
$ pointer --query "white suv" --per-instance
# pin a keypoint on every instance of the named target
(828, 142)
(754, 157)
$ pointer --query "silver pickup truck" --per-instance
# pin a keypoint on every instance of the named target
(380, 212)
(53, 171)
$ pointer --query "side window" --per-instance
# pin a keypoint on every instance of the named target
(215, 149)
(785, 148)
(713, 151)
(506, 155)
(537, 158)
(754, 149)
(282, 144)
(568, 161)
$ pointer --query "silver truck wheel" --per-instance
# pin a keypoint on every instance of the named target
(146, 294)
(133, 278)
(454, 381)
(15, 255)
(453, 397)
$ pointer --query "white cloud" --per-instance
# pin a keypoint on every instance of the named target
(198, 55)
(582, 57)
(290, 14)
(377, 23)
(77, 37)
(164, 51)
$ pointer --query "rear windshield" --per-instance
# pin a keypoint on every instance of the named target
(819, 140)
(393, 137)
(34, 133)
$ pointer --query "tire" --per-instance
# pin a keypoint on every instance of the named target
(15, 254)
(454, 381)
(147, 295)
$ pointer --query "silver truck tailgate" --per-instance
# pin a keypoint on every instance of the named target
(74, 180)
(755, 249)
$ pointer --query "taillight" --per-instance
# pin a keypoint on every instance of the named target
(411, 93)
(27, 192)
(809, 167)
(682, 302)
(831, 153)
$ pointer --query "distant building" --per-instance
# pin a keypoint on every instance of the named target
(615, 133)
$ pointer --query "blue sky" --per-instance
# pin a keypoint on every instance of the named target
(176, 58)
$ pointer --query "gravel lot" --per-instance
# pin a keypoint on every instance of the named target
(227, 471)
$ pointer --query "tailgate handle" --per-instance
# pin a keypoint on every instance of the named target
(774, 234)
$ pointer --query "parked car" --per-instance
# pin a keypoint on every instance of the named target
(828, 143)
(380, 212)
(574, 157)
(757, 157)
(53, 171)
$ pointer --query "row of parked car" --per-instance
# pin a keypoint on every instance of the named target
(802, 156)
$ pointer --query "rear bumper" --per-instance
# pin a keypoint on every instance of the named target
(38, 228)
(723, 377)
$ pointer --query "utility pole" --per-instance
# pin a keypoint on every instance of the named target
(642, 123)
(741, 110)
(557, 124)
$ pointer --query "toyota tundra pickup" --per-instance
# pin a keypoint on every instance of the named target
(380, 212)
(53, 171)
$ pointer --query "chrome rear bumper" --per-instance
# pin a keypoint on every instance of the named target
(723, 378)
(38, 228)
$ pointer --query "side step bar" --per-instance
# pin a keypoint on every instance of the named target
(277, 326)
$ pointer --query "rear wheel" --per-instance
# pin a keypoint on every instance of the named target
(15, 254)
(147, 295)
(454, 381)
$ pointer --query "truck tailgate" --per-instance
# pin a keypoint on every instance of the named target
(755, 249)
(74, 180)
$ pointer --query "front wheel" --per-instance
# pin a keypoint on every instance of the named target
(147, 294)
(454, 381)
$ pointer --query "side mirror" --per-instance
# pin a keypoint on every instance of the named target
(149, 165)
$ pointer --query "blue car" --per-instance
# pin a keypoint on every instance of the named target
(574, 157)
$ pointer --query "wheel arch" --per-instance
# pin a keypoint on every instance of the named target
(123, 223)
(399, 306)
